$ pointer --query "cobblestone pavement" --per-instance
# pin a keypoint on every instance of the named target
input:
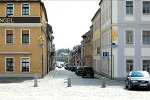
(57, 89)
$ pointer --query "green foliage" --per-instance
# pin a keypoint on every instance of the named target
(65, 58)
(75, 47)
(63, 51)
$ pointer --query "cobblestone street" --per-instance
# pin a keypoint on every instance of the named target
(56, 89)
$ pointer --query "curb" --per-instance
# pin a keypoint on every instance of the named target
(50, 75)
(53, 74)
(107, 79)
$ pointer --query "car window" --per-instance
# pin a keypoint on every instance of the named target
(139, 74)
(88, 68)
(80, 68)
(136, 74)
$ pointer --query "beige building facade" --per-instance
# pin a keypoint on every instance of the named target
(96, 41)
(87, 49)
(25, 39)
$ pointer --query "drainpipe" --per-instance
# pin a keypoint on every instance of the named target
(111, 41)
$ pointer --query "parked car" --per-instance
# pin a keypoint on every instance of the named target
(79, 70)
(87, 70)
(66, 66)
(137, 79)
(70, 67)
(73, 68)
(59, 66)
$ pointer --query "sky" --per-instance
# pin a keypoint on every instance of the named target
(70, 19)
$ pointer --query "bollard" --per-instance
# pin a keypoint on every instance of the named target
(103, 82)
(69, 81)
(35, 81)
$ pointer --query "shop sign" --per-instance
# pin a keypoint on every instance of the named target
(6, 20)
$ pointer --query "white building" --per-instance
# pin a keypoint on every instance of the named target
(125, 23)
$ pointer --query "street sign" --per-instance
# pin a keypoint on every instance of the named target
(105, 54)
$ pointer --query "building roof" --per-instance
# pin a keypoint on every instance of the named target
(96, 14)
(100, 2)
(86, 34)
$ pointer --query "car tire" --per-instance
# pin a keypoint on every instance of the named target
(92, 76)
(129, 86)
(126, 86)
(82, 76)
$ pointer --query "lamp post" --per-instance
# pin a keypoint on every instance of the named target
(41, 43)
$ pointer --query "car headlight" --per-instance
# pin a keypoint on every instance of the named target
(134, 81)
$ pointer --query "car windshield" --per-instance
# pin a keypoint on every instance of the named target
(88, 68)
(140, 74)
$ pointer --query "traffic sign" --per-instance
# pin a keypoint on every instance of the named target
(105, 54)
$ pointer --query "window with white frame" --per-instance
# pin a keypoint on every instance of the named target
(129, 36)
(146, 65)
(9, 64)
(129, 7)
(9, 9)
(25, 36)
(9, 36)
(25, 64)
(146, 7)
(25, 9)
(129, 65)
(146, 37)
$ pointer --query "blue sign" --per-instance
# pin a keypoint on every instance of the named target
(105, 54)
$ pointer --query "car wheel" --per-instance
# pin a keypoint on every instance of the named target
(126, 86)
(129, 86)
(82, 76)
(92, 76)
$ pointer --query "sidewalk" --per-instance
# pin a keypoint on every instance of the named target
(107, 79)
(50, 75)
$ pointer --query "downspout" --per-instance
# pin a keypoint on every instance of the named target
(47, 50)
(111, 39)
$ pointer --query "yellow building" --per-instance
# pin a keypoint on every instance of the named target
(25, 39)
(96, 40)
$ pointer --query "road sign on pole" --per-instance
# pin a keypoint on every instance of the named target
(105, 54)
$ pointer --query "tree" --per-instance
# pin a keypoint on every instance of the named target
(62, 58)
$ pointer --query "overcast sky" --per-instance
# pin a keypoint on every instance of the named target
(70, 19)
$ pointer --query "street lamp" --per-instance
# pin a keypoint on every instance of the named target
(41, 43)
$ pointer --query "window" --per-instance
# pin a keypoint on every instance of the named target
(129, 65)
(129, 36)
(25, 36)
(9, 9)
(9, 64)
(98, 50)
(25, 64)
(146, 65)
(25, 9)
(146, 7)
(129, 7)
(146, 37)
(9, 36)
